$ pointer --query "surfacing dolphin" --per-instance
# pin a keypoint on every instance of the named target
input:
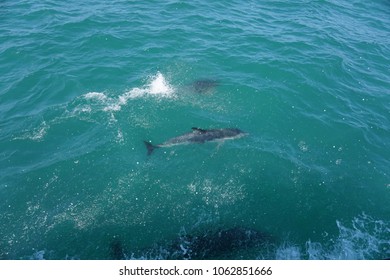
(198, 135)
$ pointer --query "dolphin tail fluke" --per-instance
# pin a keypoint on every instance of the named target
(150, 147)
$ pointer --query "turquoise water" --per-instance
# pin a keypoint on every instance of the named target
(82, 84)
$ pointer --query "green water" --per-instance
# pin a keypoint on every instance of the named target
(83, 84)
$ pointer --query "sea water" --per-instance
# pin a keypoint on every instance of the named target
(84, 83)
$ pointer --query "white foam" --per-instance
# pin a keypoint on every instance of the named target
(109, 104)
(288, 252)
(40, 132)
(132, 94)
(119, 137)
(39, 255)
(112, 108)
(95, 95)
(366, 238)
(315, 251)
(158, 86)
(82, 109)
(37, 134)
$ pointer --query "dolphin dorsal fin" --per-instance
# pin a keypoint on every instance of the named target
(198, 129)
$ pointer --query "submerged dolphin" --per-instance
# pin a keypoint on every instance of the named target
(218, 244)
(204, 85)
(198, 135)
(211, 244)
(116, 250)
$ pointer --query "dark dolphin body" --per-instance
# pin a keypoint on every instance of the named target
(198, 135)
(204, 85)
(207, 244)
(218, 244)
(116, 250)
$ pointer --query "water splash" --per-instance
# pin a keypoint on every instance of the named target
(160, 86)
(366, 238)
(157, 87)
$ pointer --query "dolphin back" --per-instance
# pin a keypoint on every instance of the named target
(197, 135)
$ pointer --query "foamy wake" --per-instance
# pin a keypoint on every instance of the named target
(37, 134)
(157, 87)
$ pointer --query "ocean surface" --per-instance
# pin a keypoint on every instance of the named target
(84, 83)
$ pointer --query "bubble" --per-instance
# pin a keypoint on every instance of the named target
(303, 146)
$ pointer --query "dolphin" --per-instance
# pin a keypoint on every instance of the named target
(204, 85)
(116, 250)
(198, 135)
(208, 244)
(218, 244)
